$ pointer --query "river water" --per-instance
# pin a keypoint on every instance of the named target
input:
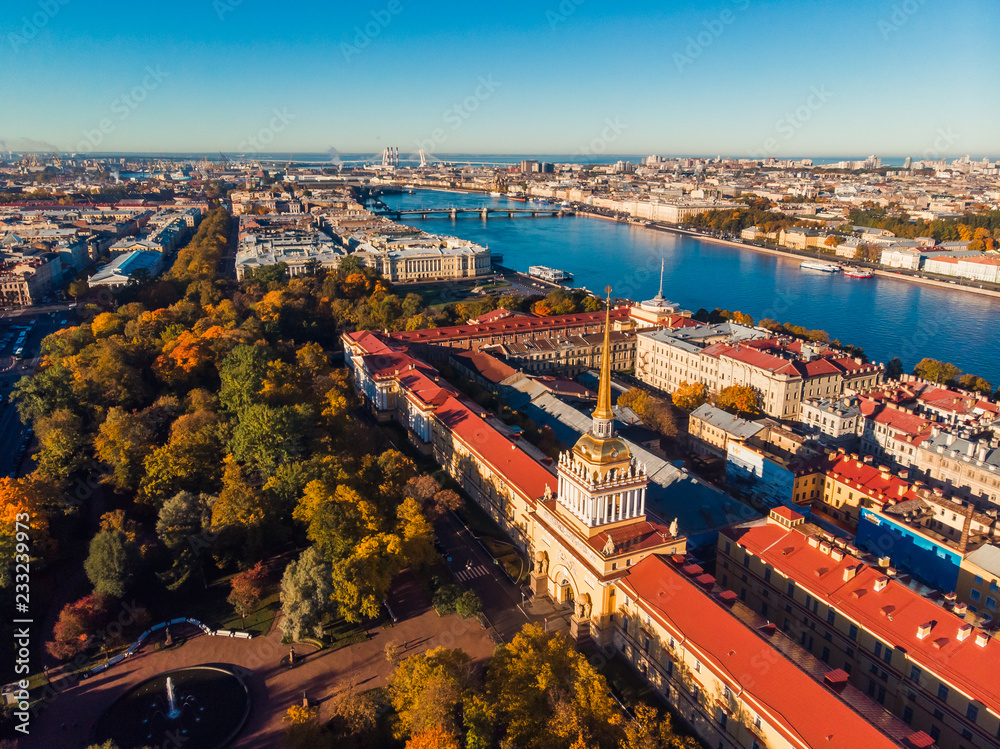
(885, 317)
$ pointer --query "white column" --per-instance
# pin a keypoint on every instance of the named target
(620, 512)
(642, 502)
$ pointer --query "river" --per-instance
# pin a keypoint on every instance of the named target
(885, 317)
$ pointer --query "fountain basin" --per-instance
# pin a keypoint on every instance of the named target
(208, 708)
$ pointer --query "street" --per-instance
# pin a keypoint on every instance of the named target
(36, 323)
(507, 606)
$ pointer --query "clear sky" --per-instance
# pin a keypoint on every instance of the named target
(730, 77)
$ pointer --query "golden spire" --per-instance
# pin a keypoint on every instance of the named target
(603, 410)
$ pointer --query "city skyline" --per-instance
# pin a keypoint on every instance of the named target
(735, 78)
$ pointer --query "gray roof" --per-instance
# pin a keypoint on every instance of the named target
(691, 339)
(987, 557)
(701, 509)
(733, 425)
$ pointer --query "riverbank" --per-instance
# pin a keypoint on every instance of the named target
(956, 285)
(895, 275)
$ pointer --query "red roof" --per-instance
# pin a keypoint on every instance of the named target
(504, 456)
(868, 478)
(508, 326)
(786, 697)
(893, 614)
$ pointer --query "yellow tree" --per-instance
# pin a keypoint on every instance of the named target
(547, 695)
(433, 738)
(27, 501)
(739, 399)
(428, 689)
(123, 441)
(690, 395)
(361, 581)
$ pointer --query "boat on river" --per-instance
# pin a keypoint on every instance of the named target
(823, 267)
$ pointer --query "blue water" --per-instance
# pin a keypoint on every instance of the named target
(885, 317)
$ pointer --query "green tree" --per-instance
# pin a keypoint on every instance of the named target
(266, 437)
(242, 375)
(306, 595)
(183, 525)
(112, 562)
(894, 369)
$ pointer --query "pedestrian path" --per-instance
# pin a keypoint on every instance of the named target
(471, 572)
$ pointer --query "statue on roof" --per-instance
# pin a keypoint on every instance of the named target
(674, 528)
(609, 547)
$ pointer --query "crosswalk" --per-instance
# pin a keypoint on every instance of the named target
(470, 573)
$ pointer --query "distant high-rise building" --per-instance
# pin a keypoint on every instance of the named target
(907, 163)
(529, 165)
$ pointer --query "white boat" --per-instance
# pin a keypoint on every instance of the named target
(824, 267)
(552, 275)
(496, 194)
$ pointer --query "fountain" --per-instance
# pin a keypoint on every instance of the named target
(174, 712)
(205, 706)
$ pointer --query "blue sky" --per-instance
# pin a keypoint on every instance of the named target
(736, 77)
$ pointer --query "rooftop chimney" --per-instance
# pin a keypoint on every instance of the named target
(924, 629)
(881, 583)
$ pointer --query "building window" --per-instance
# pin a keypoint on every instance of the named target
(942, 692)
(791, 589)
(976, 595)
(972, 713)
(697, 666)
(853, 632)
(914, 675)
(831, 616)
(935, 733)
(767, 575)
(908, 714)
(887, 655)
